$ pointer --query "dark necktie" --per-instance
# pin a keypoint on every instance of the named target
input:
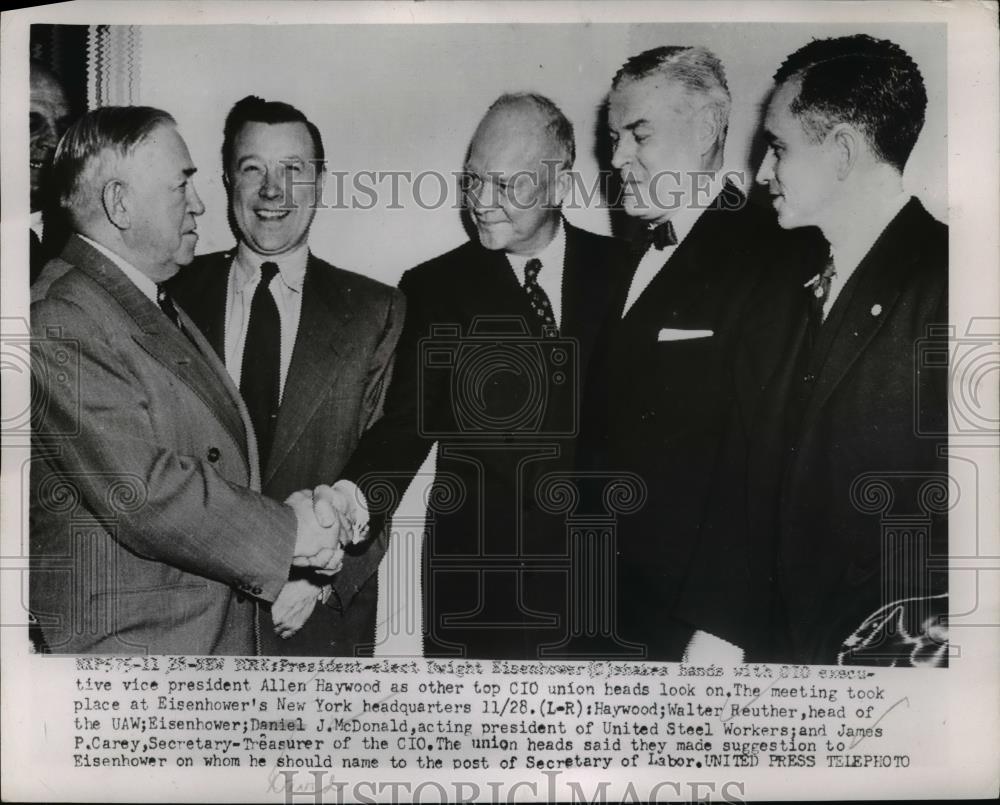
(539, 300)
(167, 305)
(260, 377)
(819, 291)
(659, 237)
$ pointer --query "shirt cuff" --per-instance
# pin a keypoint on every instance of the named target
(705, 648)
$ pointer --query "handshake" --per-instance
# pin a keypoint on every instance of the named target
(328, 518)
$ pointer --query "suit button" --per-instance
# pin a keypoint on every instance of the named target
(808, 378)
(214, 454)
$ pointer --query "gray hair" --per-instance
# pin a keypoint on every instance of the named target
(695, 68)
(114, 131)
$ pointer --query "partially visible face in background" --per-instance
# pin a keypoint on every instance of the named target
(49, 116)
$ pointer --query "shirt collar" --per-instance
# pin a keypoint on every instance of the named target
(291, 266)
(551, 255)
(36, 224)
(140, 280)
(685, 217)
(849, 256)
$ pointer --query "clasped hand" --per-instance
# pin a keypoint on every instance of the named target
(324, 528)
(326, 523)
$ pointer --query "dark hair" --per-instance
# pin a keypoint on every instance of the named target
(870, 83)
(697, 69)
(252, 109)
(557, 125)
(119, 129)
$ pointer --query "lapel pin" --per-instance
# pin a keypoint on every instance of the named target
(876, 310)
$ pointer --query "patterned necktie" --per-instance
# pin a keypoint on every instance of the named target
(538, 298)
(260, 377)
(819, 292)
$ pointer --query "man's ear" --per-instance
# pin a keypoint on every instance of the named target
(320, 184)
(708, 127)
(847, 143)
(113, 197)
(561, 184)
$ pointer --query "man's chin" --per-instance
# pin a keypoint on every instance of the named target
(184, 257)
(489, 239)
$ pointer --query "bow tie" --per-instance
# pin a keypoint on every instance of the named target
(659, 237)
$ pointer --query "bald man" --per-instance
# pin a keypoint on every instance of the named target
(492, 357)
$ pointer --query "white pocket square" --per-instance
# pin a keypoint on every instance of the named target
(670, 334)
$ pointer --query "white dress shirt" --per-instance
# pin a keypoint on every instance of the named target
(138, 279)
(550, 277)
(37, 225)
(655, 259)
(286, 288)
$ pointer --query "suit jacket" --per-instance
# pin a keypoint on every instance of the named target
(348, 328)
(475, 375)
(830, 502)
(144, 515)
(656, 406)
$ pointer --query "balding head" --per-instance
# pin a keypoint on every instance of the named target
(517, 172)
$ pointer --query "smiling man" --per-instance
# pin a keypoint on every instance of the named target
(148, 532)
(498, 337)
(309, 345)
(49, 117)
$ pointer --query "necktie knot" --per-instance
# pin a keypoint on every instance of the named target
(659, 237)
(166, 304)
(820, 284)
(531, 271)
(268, 271)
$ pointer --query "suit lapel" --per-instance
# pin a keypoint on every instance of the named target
(494, 287)
(324, 324)
(206, 296)
(674, 284)
(879, 279)
(584, 293)
(199, 371)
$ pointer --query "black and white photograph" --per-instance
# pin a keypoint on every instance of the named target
(500, 402)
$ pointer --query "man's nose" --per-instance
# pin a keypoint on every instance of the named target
(621, 154)
(270, 188)
(485, 196)
(765, 173)
(195, 205)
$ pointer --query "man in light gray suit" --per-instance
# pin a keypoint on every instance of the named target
(147, 532)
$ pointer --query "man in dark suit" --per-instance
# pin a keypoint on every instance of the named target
(147, 530)
(841, 482)
(495, 348)
(659, 387)
(311, 350)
